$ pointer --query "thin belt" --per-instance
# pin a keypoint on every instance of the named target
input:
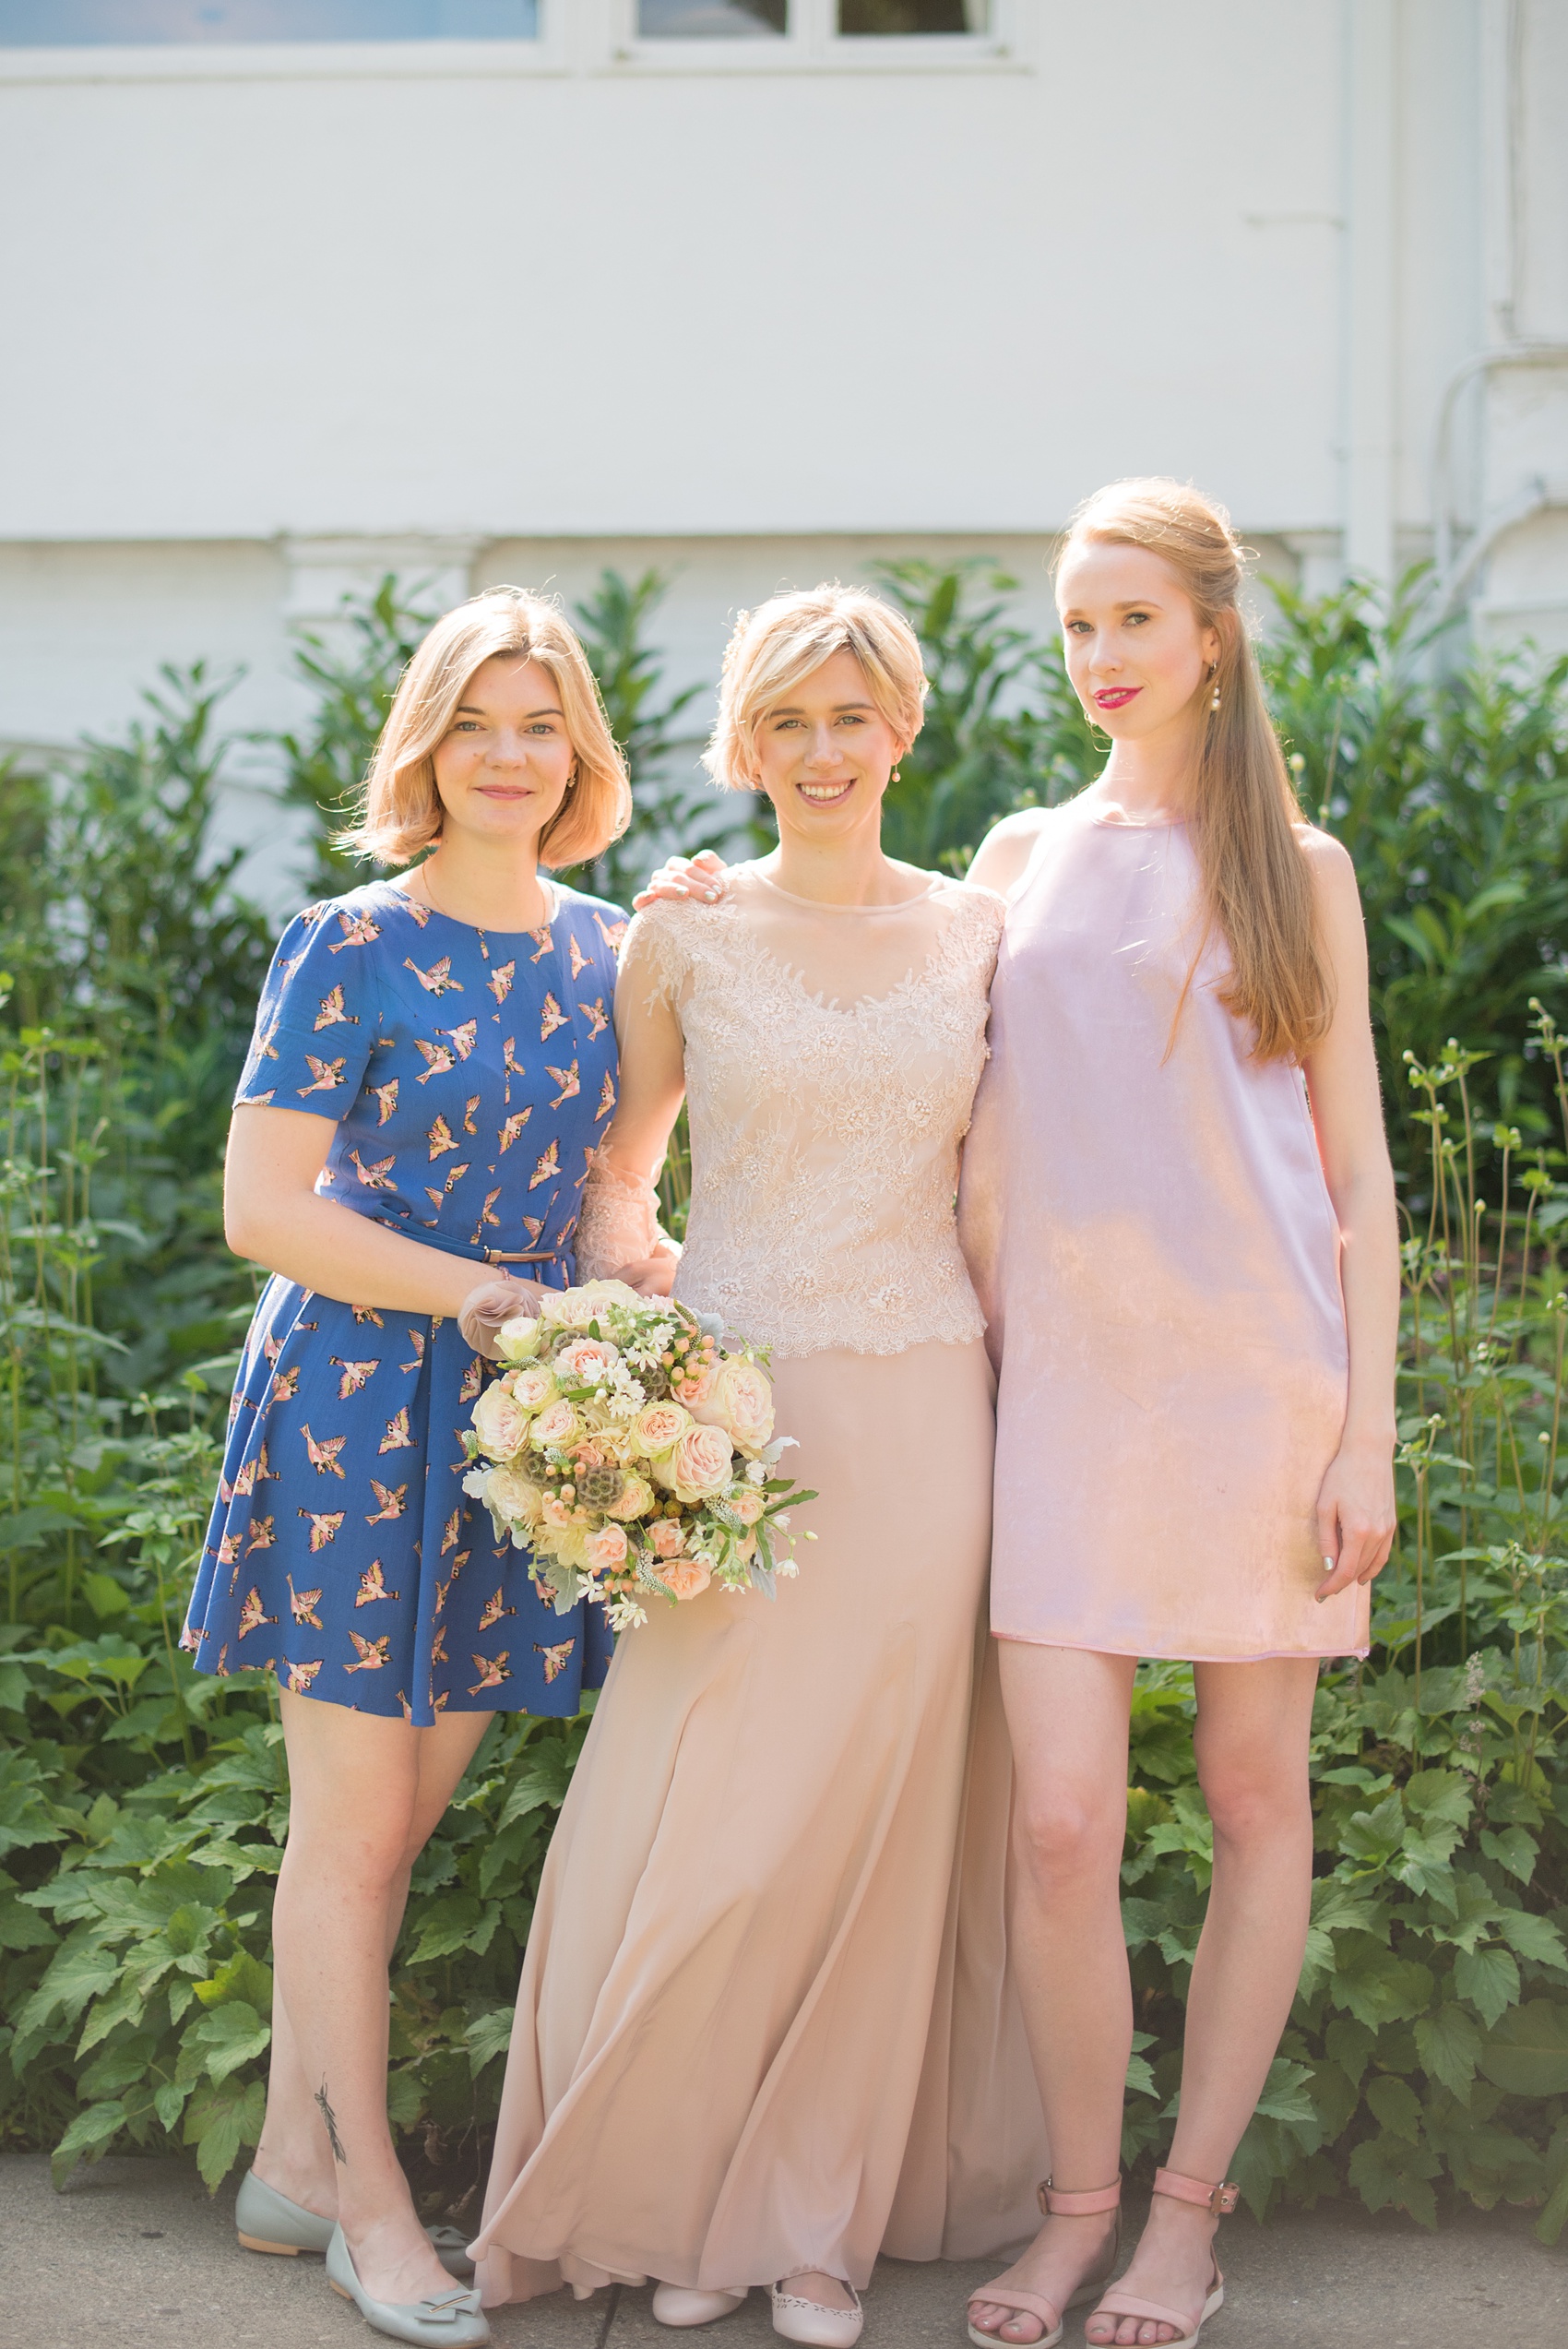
(476, 1255)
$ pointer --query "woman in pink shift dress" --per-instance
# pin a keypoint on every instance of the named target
(1178, 1210)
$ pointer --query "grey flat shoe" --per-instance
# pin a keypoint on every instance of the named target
(267, 2220)
(454, 2321)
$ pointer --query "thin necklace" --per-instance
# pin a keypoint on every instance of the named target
(436, 907)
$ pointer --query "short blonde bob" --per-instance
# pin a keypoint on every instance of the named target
(400, 813)
(783, 640)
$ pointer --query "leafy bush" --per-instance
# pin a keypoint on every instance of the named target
(143, 1809)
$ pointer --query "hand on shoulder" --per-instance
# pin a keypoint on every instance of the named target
(703, 876)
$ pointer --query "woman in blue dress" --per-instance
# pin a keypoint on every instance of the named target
(433, 1067)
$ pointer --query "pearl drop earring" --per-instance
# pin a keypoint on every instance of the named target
(1214, 697)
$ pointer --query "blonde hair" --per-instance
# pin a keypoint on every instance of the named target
(400, 810)
(783, 640)
(1247, 824)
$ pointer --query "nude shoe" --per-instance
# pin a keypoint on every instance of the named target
(809, 2321)
(677, 2303)
(1189, 2322)
(1055, 2202)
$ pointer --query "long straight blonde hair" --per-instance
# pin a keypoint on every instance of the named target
(1246, 825)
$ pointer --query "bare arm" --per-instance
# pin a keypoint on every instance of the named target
(273, 1215)
(1006, 850)
(1355, 1511)
(619, 1208)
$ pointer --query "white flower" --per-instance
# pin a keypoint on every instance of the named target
(757, 1472)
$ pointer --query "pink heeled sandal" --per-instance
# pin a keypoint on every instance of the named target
(1055, 2203)
(1189, 2322)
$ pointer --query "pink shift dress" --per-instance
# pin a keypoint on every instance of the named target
(1145, 1218)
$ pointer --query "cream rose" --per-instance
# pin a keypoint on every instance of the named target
(658, 1427)
(740, 1401)
(667, 1537)
(606, 1550)
(699, 1465)
(577, 1308)
(556, 1425)
(507, 1493)
(518, 1339)
(500, 1423)
(684, 1577)
(532, 1387)
(636, 1499)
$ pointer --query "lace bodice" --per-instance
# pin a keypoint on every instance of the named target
(832, 1055)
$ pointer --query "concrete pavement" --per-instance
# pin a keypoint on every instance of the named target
(135, 2254)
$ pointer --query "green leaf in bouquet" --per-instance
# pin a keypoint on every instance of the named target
(1526, 2050)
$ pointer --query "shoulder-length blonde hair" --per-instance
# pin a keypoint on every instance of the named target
(1246, 824)
(400, 810)
(783, 640)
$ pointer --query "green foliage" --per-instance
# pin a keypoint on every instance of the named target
(1004, 728)
(351, 683)
(1450, 790)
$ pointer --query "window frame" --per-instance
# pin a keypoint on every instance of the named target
(579, 37)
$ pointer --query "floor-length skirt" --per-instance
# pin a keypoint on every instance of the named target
(764, 2023)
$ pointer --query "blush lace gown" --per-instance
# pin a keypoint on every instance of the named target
(763, 2023)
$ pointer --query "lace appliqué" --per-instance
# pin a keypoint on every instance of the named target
(619, 1224)
(825, 1138)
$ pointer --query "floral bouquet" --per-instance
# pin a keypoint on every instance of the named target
(632, 1452)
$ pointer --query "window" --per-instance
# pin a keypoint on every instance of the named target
(70, 24)
(892, 17)
(711, 19)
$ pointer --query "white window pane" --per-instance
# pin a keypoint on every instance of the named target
(36, 24)
(913, 16)
(711, 19)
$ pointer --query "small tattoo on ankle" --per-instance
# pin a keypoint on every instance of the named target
(330, 2117)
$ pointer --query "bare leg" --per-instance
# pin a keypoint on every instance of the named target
(365, 1795)
(1250, 1745)
(1067, 1714)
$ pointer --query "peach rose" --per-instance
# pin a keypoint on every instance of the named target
(636, 1500)
(748, 1505)
(694, 1386)
(684, 1577)
(500, 1423)
(556, 1426)
(589, 1361)
(606, 1550)
(699, 1465)
(658, 1427)
(532, 1387)
(740, 1401)
(667, 1536)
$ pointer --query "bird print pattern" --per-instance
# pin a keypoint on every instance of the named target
(471, 1077)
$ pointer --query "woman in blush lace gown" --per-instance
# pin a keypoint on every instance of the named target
(764, 2029)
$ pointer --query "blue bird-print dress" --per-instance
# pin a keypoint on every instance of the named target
(471, 1076)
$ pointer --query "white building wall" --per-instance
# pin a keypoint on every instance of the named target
(284, 318)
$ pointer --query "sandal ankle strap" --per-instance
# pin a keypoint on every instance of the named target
(1057, 2203)
(1219, 2199)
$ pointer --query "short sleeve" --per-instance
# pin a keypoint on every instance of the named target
(655, 957)
(318, 1017)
